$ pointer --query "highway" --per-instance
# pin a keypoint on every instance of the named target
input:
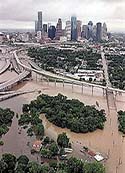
(55, 76)
(5, 67)
(8, 84)
(65, 79)
(16, 93)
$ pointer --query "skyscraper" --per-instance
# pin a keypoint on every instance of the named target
(79, 23)
(51, 32)
(90, 30)
(84, 31)
(68, 30)
(59, 29)
(94, 32)
(45, 28)
(40, 22)
(104, 32)
(36, 26)
(73, 28)
(99, 32)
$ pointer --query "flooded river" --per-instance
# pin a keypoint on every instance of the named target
(109, 142)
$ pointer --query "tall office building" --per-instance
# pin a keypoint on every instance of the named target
(90, 30)
(45, 28)
(40, 21)
(84, 31)
(59, 29)
(68, 30)
(51, 32)
(94, 32)
(79, 30)
(36, 26)
(99, 32)
(104, 32)
(39, 36)
(73, 28)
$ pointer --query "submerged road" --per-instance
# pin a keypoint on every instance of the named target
(65, 79)
(109, 140)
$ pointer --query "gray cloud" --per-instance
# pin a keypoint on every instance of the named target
(17, 12)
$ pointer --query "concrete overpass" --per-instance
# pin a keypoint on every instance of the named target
(5, 67)
(10, 83)
(63, 79)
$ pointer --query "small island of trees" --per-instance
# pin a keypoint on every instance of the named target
(121, 119)
(6, 116)
(65, 113)
(34, 123)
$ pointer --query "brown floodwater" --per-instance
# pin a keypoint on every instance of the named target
(109, 142)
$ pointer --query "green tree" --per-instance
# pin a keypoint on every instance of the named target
(74, 166)
(63, 140)
(39, 129)
(23, 159)
(34, 167)
(10, 160)
(53, 164)
(3, 166)
(46, 140)
(54, 149)
(94, 167)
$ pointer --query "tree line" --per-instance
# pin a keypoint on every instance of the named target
(11, 164)
(117, 70)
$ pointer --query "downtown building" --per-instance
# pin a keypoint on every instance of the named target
(90, 31)
(99, 32)
(52, 32)
(59, 31)
(104, 32)
(39, 22)
(68, 30)
(74, 28)
(79, 29)
(84, 31)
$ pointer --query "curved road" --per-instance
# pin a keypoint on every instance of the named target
(65, 79)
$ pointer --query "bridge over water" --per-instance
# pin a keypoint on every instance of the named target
(59, 78)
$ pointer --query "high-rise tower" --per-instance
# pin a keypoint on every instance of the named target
(40, 21)
(59, 29)
(99, 32)
(73, 28)
(68, 30)
(79, 29)
(90, 30)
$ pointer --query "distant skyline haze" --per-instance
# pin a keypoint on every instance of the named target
(22, 14)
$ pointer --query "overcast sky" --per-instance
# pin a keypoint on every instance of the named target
(23, 13)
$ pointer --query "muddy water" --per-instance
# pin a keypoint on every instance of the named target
(109, 142)
(7, 76)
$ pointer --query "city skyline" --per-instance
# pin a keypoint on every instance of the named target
(24, 14)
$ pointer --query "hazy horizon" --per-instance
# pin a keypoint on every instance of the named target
(17, 14)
